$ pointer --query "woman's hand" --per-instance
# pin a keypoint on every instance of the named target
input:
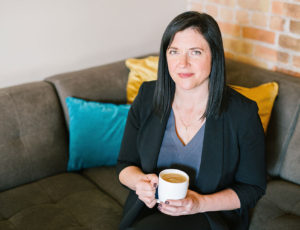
(190, 205)
(146, 188)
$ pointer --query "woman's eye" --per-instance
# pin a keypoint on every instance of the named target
(196, 52)
(172, 52)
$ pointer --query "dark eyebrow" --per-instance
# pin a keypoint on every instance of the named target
(193, 48)
(172, 48)
(196, 48)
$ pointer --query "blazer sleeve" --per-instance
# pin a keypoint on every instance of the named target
(128, 155)
(251, 171)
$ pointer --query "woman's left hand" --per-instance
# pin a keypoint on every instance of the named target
(190, 205)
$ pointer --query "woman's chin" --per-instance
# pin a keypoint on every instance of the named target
(185, 87)
(186, 84)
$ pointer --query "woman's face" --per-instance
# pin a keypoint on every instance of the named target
(189, 59)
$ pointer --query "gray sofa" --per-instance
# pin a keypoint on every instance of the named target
(37, 192)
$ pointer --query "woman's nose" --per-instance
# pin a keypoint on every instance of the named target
(183, 60)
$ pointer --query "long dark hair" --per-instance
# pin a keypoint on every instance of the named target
(165, 86)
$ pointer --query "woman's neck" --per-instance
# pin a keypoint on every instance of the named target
(194, 100)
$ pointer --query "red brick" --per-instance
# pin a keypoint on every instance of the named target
(286, 9)
(288, 42)
(230, 29)
(295, 27)
(292, 10)
(277, 23)
(259, 19)
(212, 10)
(224, 2)
(230, 55)
(258, 5)
(283, 57)
(226, 14)
(251, 61)
(277, 8)
(242, 17)
(296, 61)
(270, 54)
(196, 6)
(265, 53)
(258, 34)
(238, 46)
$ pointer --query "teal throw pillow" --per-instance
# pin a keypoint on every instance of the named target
(96, 131)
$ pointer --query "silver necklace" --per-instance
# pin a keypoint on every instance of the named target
(186, 126)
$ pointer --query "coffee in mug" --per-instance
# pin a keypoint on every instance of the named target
(174, 177)
(172, 185)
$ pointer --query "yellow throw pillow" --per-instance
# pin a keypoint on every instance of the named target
(264, 95)
(140, 70)
(146, 70)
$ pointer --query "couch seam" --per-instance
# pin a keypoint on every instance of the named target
(14, 226)
(62, 102)
(40, 205)
(54, 202)
(8, 220)
(43, 189)
(281, 209)
(102, 190)
(275, 204)
(70, 212)
(57, 203)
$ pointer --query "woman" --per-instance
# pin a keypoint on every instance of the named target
(190, 120)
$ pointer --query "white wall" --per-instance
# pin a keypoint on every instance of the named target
(40, 38)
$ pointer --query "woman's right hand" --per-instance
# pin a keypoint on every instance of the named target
(146, 188)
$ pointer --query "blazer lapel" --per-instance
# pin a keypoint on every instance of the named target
(212, 156)
(150, 147)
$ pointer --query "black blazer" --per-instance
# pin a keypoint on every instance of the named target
(232, 156)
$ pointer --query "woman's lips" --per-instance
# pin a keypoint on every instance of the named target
(185, 75)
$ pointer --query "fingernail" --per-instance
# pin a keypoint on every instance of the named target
(155, 185)
(167, 202)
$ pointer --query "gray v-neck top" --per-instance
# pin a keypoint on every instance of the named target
(173, 153)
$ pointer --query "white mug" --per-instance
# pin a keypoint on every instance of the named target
(170, 190)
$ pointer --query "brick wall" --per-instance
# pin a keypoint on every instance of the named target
(264, 33)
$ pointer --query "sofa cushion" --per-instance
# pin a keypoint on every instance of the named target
(106, 179)
(290, 169)
(279, 208)
(141, 69)
(285, 110)
(64, 201)
(264, 95)
(33, 137)
(106, 83)
(96, 132)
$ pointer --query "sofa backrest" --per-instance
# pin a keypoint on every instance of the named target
(283, 134)
(106, 83)
(290, 166)
(33, 137)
